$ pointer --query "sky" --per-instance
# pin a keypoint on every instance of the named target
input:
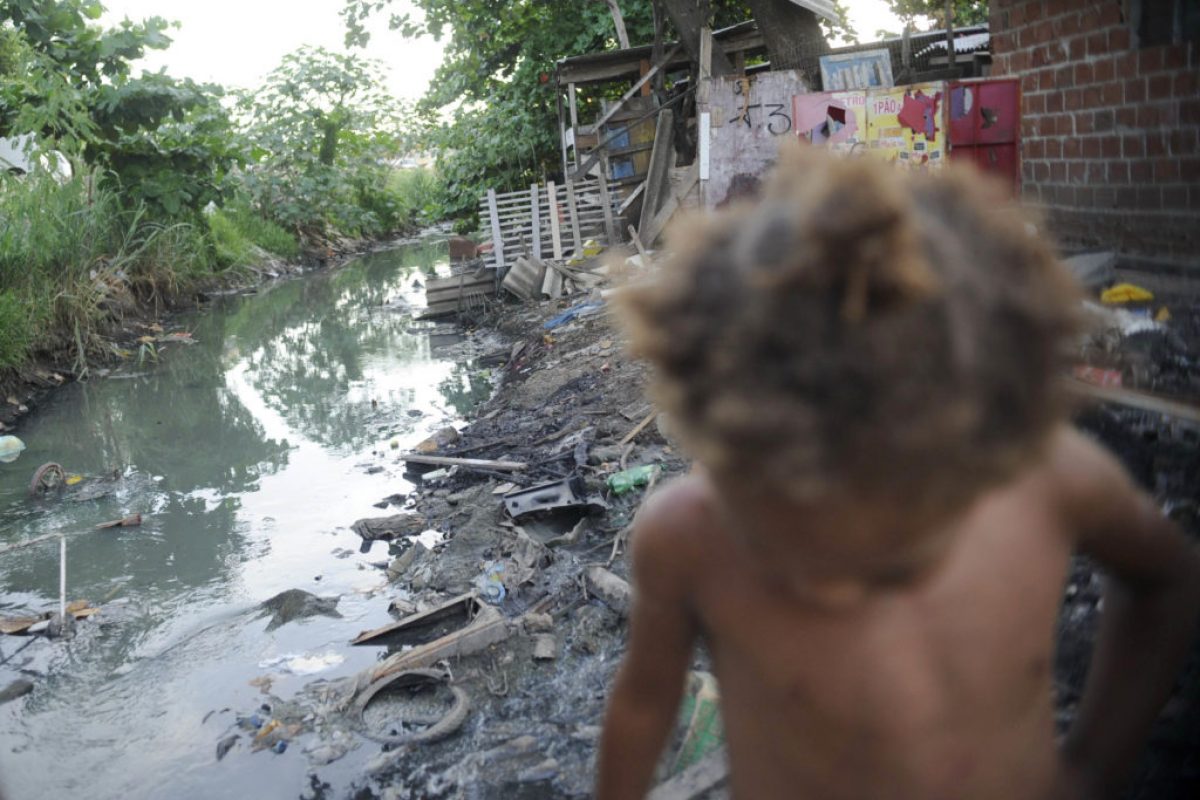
(237, 42)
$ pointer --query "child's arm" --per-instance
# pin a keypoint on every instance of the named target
(1151, 606)
(646, 694)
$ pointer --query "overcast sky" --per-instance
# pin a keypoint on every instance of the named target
(237, 42)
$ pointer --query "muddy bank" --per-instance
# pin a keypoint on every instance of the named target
(568, 405)
(142, 329)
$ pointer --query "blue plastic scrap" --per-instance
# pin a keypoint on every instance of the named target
(584, 308)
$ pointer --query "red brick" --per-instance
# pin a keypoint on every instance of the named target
(1083, 74)
(1091, 147)
(1110, 13)
(1097, 43)
(1189, 170)
(1054, 102)
(1077, 170)
(1127, 116)
(1065, 125)
(1043, 31)
(1118, 38)
(1041, 171)
(1058, 171)
(1140, 171)
(1105, 196)
(1112, 94)
(1175, 196)
(1029, 82)
(1097, 171)
(1148, 117)
(1073, 99)
(1054, 148)
(1133, 146)
(1092, 97)
(1035, 148)
(1135, 90)
(1077, 48)
(1071, 148)
(1102, 120)
(1156, 144)
(1166, 170)
(1185, 84)
(1035, 103)
(1027, 171)
(1150, 60)
(1018, 14)
(1182, 141)
(1159, 86)
(1149, 197)
(1127, 64)
(1175, 56)
(1084, 123)
(1126, 197)
(1189, 112)
(1118, 172)
(1039, 57)
(1103, 70)
(1110, 146)
(1064, 77)
(1085, 196)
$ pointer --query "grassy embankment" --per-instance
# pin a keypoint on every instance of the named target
(74, 260)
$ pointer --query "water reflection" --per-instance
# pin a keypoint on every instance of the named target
(245, 452)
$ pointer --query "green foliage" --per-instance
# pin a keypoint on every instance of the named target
(966, 12)
(322, 129)
(236, 231)
(14, 330)
(76, 256)
(168, 143)
(491, 112)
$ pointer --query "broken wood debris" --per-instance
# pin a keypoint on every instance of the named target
(468, 463)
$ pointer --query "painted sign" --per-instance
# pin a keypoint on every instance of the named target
(865, 69)
(906, 125)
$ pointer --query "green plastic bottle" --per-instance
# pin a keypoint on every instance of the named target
(622, 482)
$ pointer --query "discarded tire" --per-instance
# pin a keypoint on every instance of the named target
(450, 721)
(48, 478)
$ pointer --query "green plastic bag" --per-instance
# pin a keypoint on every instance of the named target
(622, 482)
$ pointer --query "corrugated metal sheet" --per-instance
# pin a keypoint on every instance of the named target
(968, 43)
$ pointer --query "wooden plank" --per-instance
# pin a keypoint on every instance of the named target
(535, 222)
(628, 201)
(658, 175)
(633, 237)
(497, 241)
(1135, 399)
(447, 461)
(610, 226)
(574, 212)
(617, 106)
(574, 120)
(555, 230)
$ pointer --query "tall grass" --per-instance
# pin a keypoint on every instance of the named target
(239, 233)
(74, 259)
(416, 192)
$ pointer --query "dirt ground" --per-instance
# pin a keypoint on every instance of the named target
(568, 399)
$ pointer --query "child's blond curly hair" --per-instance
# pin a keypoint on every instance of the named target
(860, 331)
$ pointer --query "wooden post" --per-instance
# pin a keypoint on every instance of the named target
(704, 129)
(610, 226)
(950, 55)
(535, 221)
(657, 51)
(574, 119)
(573, 209)
(555, 231)
(497, 239)
(661, 161)
(619, 24)
(562, 127)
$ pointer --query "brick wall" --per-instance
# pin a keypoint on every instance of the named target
(1111, 129)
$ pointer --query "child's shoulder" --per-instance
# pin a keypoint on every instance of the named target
(674, 526)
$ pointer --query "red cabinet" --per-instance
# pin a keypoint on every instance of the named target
(985, 124)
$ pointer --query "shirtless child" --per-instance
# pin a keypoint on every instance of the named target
(875, 540)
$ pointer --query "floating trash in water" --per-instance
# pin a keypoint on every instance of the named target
(303, 663)
(10, 448)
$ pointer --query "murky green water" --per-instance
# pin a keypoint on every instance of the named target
(248, 455)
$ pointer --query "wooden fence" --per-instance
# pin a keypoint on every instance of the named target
(550, 221)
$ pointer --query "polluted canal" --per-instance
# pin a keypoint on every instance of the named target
(248, 448)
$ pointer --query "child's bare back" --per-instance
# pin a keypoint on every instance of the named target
(872, 642)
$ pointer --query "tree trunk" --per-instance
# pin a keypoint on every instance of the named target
(793, 36)
(688, 17)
